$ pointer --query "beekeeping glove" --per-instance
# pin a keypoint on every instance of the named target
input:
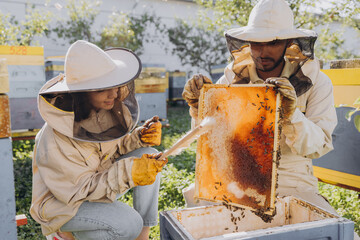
(191, 92)
(145, 169)
(288, 96)
(151, 132)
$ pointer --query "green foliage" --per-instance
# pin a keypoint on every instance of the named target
(346, 202)
(197, 45)
(22, 156)
(348, 11)
(129, 31)
(180, 122)
(118, 33)
(82, 16)
(357, 122)
(329, 46)
(228, 13)
(357, 117)
(15, 33)
(140, 26)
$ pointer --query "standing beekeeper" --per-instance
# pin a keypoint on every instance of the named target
(270, 50)
(89, 152)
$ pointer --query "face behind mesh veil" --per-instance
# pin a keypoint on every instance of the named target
(298, 53)
(301, 49)
(99, 125)
(82, 104)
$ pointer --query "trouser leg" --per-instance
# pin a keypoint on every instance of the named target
(105, 221)
(145, 198)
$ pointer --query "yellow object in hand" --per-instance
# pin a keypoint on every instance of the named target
(145, 169)
(151, 132)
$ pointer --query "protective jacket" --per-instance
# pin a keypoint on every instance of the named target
(308, 136)
(67, 171)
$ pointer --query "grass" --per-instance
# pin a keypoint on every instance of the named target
(177, 174)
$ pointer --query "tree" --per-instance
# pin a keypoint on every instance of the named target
(129, 31)
(330, 44)
(15, 32)
(122, 30)
(197, 46)
(81, 18)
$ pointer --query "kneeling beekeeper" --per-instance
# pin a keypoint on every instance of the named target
(89, 152)
(270, 50)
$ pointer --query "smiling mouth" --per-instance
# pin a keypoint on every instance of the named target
(109, 103)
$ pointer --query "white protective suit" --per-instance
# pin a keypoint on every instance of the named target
(77, 161)
(307, 137)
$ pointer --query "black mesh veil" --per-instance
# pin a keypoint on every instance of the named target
(298, 53)
(305, 44)
(99, 125)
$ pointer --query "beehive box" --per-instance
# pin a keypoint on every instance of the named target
(4, 76)
(151, 92)
(237, 160)
(177, 82)
(345, 77)
(152, 79)
(25, 67)
(295, 219)
(54, 66)
(217, 71)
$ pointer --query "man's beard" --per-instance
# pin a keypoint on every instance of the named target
(277, 63)
(274, 66)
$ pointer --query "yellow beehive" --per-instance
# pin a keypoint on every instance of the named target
(4, 76)
(152, 80)
(345, 76)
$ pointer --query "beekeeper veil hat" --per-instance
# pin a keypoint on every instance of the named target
(272, 20)
(64, 101)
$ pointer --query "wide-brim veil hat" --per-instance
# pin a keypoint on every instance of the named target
(271, 20)
(65, 103)
(87, 67)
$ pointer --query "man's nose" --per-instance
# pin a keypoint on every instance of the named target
(262, 50)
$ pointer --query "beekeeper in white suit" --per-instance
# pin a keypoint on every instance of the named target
(89, 152)
(270, 50)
